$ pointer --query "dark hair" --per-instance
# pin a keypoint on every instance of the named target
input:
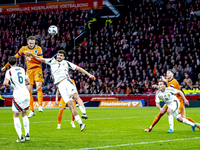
(165, 83)
(171, 71)
(12, 60)
(30, 38)
(62, 52)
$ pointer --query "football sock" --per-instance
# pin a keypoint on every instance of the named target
(82, 108)
(157, 118)
(78, 119)
(18, 129)
(188, 122)
(26, 124)
(40, 96)
(191, 120)
(73, 118)
(60, 115)
(171, 122)
(31, 102)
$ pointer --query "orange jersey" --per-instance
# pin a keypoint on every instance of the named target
(174, 84)
(32, 63)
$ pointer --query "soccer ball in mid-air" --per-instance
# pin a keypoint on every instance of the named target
(53, 30)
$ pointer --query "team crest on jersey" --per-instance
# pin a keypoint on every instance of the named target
(161, 96)
(60, 104)
(169, 95)
(35, 51)
(63, 64)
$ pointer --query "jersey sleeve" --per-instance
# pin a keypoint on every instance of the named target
(48, 60)
(172, 90)
(157, 98)
(40, 54)
(7, 76)
(71, 65)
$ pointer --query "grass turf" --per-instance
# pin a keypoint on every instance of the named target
(105, 129)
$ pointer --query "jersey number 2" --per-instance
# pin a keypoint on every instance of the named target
(20, 79)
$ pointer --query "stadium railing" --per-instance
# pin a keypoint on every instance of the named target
(149, 98)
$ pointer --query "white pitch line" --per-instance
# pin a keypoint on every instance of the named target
(140, 143)
(87, 120)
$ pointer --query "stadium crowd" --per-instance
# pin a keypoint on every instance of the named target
(127, 56)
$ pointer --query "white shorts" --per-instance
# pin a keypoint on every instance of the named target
(174, 106)
(21, 104)
(67, 88)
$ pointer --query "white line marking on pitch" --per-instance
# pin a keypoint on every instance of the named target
(140, 143)
(87, 120)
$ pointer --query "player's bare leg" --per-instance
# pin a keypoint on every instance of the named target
(39, 95)
(81, 105)
(184, 116)
(31, 112)
(185, 121)
(155, 121)
(75, 114)
(60, 117)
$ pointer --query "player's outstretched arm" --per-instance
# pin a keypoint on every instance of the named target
(20, 52)
(27, 81)
(85, 72)
(183, 96)
(6, 82)
(35, 56)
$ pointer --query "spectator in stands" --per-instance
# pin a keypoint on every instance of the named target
(187, 81)
(119, 91)
(48, 90)
(177, 77)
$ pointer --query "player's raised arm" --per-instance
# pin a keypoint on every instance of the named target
(19, 53)
(38, 58)
(85, 72)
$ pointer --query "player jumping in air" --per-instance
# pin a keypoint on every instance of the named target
(59, 69)
(34, 72)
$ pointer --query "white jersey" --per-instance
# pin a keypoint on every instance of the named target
(16, 76)
(168, 96)
(60, 70)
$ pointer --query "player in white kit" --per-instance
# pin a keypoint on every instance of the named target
(167, 94)
(18, 79)
(59, 69)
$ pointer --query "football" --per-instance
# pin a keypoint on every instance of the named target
(53, 30)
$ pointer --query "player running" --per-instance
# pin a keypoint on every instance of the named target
(18, 79)
(171, 82)
(167, 94)
(34, 72)
(59, 68)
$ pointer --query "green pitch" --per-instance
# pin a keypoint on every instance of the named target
(105, 129)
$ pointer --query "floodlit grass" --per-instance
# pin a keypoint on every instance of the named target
(105, 129)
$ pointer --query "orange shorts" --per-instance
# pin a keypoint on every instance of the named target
(35, 75)
(63, 104)
(181, 108)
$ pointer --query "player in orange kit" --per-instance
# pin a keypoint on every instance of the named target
(171, 82)
(34, 71)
